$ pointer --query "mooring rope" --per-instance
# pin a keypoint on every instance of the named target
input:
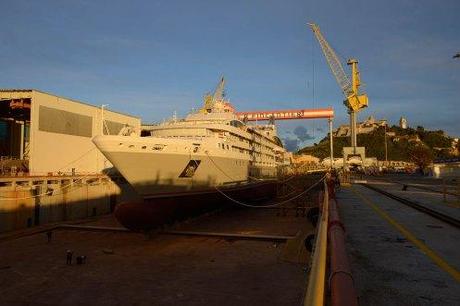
(270, 205)
(260, 206)
(47, 192)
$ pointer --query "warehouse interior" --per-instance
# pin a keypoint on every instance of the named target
(14, 134)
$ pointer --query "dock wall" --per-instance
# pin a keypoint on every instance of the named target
(31, 201)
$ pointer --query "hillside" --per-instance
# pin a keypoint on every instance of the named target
(400, 143)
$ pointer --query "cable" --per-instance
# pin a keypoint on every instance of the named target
(47, 192)
(271, 205)
(251, 177)
(259, 206)
(77, 159)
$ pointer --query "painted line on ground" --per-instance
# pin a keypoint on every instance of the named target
(438, 260)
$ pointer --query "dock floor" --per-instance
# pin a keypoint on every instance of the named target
(400, 256)
(130, 269)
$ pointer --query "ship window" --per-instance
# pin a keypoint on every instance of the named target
(158, 147)
(228, 148)
(120, 144)
(131, 146)
(144, 147)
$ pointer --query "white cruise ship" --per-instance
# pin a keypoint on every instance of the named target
(202, 160)
(208, 148)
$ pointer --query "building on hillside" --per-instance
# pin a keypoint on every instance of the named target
(305, 159)
(44, 134)
(409, 138)
(365, 127)
(403, 123)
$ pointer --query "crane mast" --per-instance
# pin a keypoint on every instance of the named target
(354, 100)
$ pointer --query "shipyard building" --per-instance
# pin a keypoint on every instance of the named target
(44, 134)
(50, 170)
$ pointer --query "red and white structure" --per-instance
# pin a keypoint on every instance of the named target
(287, 114)
(292, 114)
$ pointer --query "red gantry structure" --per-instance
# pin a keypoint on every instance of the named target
(287, 114)
(292, 114)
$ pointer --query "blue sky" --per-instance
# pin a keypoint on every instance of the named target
(150, 58)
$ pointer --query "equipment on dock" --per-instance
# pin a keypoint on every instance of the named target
(355, 100)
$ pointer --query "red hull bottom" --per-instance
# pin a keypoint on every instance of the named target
(156, 211)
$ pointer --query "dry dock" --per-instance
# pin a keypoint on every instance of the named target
(125, 268)
(399, 255)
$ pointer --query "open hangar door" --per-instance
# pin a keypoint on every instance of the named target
(14, 135)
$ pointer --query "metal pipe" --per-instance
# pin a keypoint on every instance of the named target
(341, 281)
(316, 280)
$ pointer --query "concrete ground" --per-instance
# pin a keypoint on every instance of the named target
(433, 200)
(129, 269)
(388, 267)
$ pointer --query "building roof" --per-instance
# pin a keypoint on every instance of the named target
(62, 97)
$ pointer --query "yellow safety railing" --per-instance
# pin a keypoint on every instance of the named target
(316, 280)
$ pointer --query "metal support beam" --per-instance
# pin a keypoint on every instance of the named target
(21, 145)
(331, 143)
(354, 142)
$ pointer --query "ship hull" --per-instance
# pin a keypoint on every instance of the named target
(153, 172)
(159, 209)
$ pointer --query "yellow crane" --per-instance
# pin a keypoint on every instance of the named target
(218, 95)
(354, 99)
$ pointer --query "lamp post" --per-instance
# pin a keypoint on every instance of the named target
(102, 118)
(386, 146)
(331, 143)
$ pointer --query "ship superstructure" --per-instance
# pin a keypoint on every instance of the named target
(210, 147)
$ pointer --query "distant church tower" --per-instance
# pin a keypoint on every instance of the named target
(403, 123)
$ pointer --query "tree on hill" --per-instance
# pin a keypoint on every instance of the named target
(398, 148)
(420, 155)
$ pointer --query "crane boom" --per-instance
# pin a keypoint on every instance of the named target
(218, 95)
(354, 100)
(219, 92)
(333, 61)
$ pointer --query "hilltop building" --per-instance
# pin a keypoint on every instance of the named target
(365, 127)
(403, 123)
